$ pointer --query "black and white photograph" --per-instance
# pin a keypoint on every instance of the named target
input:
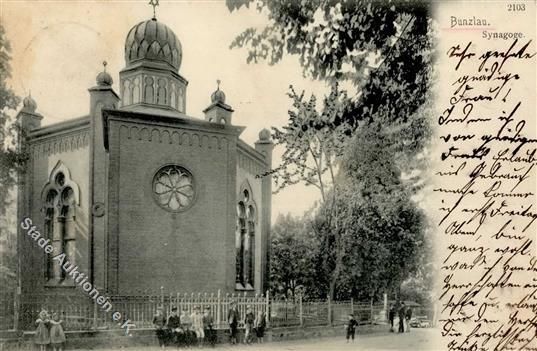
(267, 175)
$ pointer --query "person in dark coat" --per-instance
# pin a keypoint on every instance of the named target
(208, 326)
(159, 322)
(233, 321)
(402, 313)
(391, 316)
(174, 327)
(351, 327)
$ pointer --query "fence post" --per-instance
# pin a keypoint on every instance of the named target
(218, 308)
(267, 309)
(352, 305)
(94, 315)
(329, 312)
(300, 310)
(16, 308)
(371, 307)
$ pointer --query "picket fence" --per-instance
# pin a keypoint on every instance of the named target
(82, 313)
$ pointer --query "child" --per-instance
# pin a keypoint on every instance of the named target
(248, 325)
(159, 322)
(208, 326)
(57, 336)
(197, 325)
(351, 327)
(260, 324)
(186, 326)
(42, 335)
(174, 333)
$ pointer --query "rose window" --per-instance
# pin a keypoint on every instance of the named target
(173, 188)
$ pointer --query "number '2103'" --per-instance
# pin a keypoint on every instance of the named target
(516, 7)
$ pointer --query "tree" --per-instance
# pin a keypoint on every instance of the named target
(11, 159)
(290, 270)
(385, 50)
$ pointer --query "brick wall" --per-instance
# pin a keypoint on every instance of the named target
(187, 251)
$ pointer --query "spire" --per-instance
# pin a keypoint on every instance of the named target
(154, 3)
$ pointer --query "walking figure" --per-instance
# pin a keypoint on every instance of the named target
(249, 319)
(233, 321)
(402, 313)
(408, 316)
(351, 327)
(391, 316)
(260, 325)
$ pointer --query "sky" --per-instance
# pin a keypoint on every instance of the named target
(58, 48)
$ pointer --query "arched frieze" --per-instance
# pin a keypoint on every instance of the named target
(155, 135)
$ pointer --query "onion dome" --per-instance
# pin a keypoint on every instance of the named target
(264, 135)
(218, 95)
(153, 41)
(104, 78)
(29, 104)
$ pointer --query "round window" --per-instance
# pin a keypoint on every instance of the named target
(173, 188)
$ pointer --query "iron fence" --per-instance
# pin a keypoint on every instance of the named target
(82, 313)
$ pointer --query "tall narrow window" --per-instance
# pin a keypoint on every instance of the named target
(60, 197)
(251, 246)
(245, 240)
(241, 230)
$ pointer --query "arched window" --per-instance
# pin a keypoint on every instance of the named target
(245, 240)
(173, 96)
(149, 91)
(127, 93)
(240, 235)
(180, 100)
(161, 92)
(60, 198)
(136, 91)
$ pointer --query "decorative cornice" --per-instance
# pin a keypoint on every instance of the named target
(166, 135)
(144, 121)
(59, 143)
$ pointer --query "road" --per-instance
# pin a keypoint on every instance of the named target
(417, 339)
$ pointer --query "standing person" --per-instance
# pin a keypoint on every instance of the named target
(159, 322)
(260, 324)
(233, 321)
(391, 316)
(42, 335)
(173, 325)
(57, 336)
(249, 319)
(402, 312)
(351, 327)
(208, 322)
(197, 325)
(408, 316)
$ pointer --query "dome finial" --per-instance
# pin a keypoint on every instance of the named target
(154, 3)
(103, 78)
(218, 95)
(29, 104)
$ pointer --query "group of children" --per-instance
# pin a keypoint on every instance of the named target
(198, 328)
(184, 329)
(49, 331)
(251, 324)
